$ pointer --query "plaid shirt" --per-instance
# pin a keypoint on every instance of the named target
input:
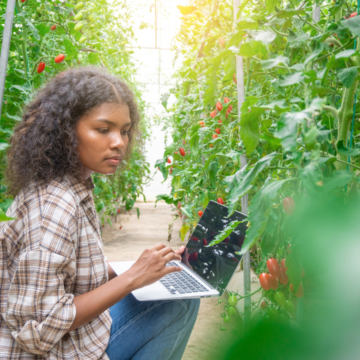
(50, 253)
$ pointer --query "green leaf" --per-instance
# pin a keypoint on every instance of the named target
(293, 263)
(70, 49)
(183, 231)
(94, 58)
(353, 24)
(194, 144)
(240, 183)
(213, 169)
(342, 149)
(259, 212)
(278, 105)
(269, 64)
(291, 79)
(297, 37)
(167, 198)
(347, 76)
(3, 216)
(138, 212)
(319, 47)
(265, 36)
(164, 99)
(229, 67)
(339, 179)
(270, 5)
(250, 127)
(186, 10)
(109, 222)
(345, 54)
(223, 234)
(187, 211)
(248, 24)
(283, 14)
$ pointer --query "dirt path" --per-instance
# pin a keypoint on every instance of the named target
(152, 228)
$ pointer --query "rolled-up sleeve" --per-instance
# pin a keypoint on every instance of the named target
(39, 311)
(40, 308)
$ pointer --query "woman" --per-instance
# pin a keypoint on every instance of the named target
(56, 287)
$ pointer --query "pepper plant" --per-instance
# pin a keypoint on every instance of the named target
(299, 124)
(50, 37)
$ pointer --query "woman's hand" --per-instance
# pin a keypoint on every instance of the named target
(151, 265)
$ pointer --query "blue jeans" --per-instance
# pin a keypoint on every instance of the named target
(151, 330)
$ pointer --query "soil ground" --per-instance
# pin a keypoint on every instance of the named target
(207, 340)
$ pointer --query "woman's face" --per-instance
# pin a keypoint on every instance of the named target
(103, 137)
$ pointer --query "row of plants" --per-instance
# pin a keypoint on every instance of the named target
(50, 37)
(298, 126)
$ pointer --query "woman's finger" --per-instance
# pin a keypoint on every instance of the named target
(180, 251)
(172, 256)
(166, 250)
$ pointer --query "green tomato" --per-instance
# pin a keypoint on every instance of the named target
(289, 306)
(273, 314)
(232, 300)
(280, 298)
(79, 6)
(78, 26)
(82, 39)
(226, 319)
(78, 16)
(231, 310)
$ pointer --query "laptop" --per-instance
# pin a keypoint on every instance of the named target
(206, 270)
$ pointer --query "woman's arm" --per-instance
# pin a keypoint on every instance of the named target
(150, 267)
(111, 272)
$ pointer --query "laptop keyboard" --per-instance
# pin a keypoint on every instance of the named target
(181, 282)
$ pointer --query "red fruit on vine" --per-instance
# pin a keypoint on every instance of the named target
(201, 123)
(179, 205)
(273, 282)
(273, 267)
(211, 145)
(182, 151)
(230, 108)
(283, 278)
(265, 281)
(205, 242)
(263, 305)
(289, 205)
(353, 14)
(291, 287)
(120, 227)
(193, 256)
(226, 100)
(217, 130)
(23, 1)
(184, 142)
(119, 211)
(168, 160)
(234, 79)
(175, 152)
(213, 114)
(53, 27)
(300, 292)
(103, 226)
(200, 213)
(282, 263)
(59, 58)
(171, 170)
(41, 67)
(214, 136)
(220, 201)
(219, 121)
(219, 106)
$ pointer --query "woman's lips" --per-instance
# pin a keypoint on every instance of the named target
(113, 161)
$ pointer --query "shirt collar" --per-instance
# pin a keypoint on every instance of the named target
(81, 189)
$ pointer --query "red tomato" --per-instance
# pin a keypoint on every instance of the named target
(184, 142)
(300, 292)
(214, 136)
(193, 256)
(175, 152)
(211, 145)
(60, 58)
(213, 114)
(200, 213)
(230, 108)
(41, 67)
(289, 205)
(53, 27)
(217, 130)
(119, 211)
(168, 160)
(205, 242)
(171, 170)
(234, 78)
(282, 263)
(226, 100)
(291, 287)
(23, 1)
(201, 123)
(120, 227)
(219, 121)
(182, 151)
(353, 14)
(273, 282)
(219, 106)
(265, 281)
(273, 267)
(283, 278)
(179, 205)
(263, 305)
(220, 201)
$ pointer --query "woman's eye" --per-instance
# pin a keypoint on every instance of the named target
(126, 133)
(103, 131)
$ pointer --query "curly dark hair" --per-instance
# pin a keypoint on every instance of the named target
(44, 144)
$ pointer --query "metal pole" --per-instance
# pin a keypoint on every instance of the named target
(4, 56)
(243, 161)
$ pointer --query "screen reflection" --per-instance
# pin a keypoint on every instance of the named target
(215, 264)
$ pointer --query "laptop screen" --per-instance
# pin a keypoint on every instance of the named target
(215, 264)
